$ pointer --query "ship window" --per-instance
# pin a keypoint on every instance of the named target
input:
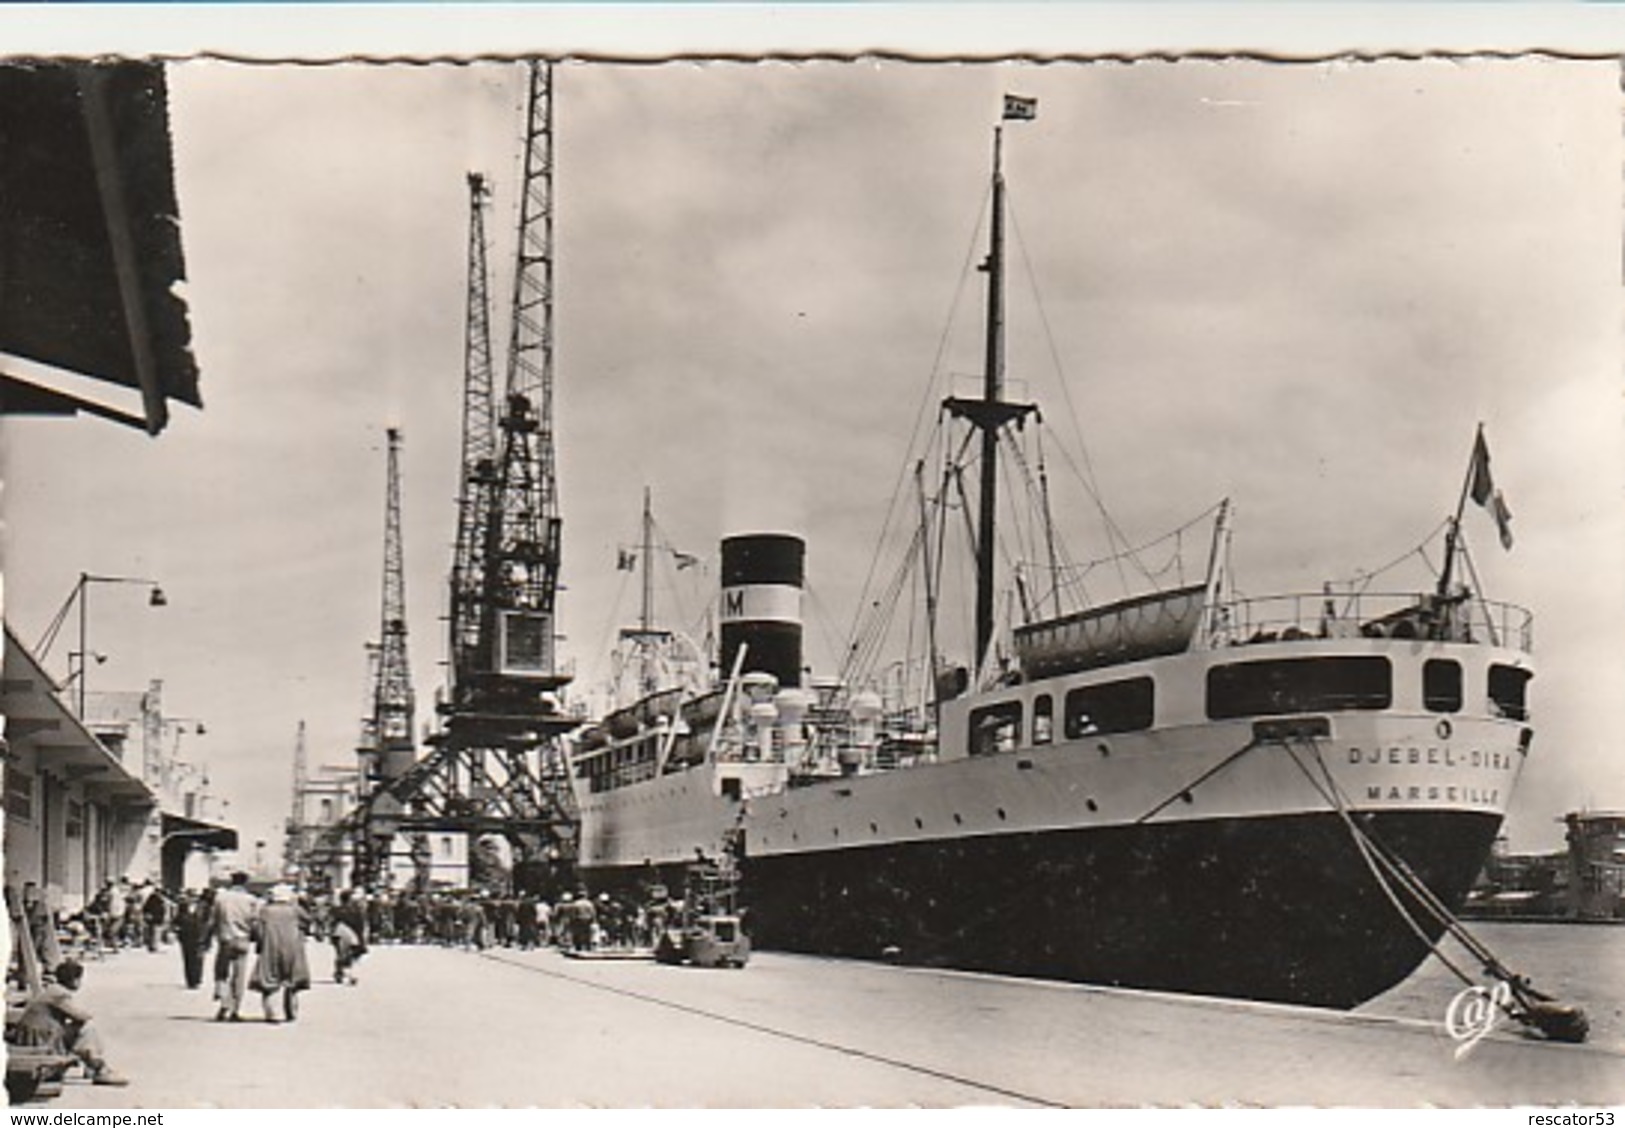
(1441, 685)
(995, 728)
(1298, 685)
(1043, 719)
(1508, 688)
(1119, 706)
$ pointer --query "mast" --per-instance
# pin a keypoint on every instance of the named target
(1453, 534)
(929, 567)
(992, 392)
(646, 610)
(990, 413)
(645, 638)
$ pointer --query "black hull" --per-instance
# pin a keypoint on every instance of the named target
(1280, 909)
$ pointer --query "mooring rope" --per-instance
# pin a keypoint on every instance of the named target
(1534, 1009)
(1362, 844)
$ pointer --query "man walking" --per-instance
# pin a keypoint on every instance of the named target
(192, 930)
(236, 912)
(349, 937)
(154, 916)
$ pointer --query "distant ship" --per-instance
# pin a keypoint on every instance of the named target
(1267, 798)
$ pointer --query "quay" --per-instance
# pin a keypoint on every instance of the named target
(441, 1027)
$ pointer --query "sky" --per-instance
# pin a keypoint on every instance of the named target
(1297, 286)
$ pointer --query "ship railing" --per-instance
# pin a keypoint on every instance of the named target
(833, 748)
(1322, 615)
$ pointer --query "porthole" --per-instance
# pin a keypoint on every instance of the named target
(957, 820)
(1185, 796)
(919, 825)
(1105, 749)
(873, 829)
(1001, 814)
(1091, 804)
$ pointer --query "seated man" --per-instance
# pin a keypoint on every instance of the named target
(53, 1020)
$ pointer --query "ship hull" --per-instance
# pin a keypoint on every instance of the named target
(1200, 855)
(1277, 909)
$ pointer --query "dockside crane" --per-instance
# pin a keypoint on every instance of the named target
(479, 445)
(388, 750)
(294, 847)
(497, 765)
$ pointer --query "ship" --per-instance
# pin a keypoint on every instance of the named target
(1275, 798)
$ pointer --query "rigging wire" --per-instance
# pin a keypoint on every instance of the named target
(48, 639)
(1087, 476)
(860, 660)
(1361, 582)
(1049, 517)
(822, 616)
(607, 647)
(1478, 586)
(1176, 534)
(934, 374)
(1413, 551)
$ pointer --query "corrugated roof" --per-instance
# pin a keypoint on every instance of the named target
(90, 245)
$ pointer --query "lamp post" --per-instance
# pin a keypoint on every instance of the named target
(76, 664)
(79, 594)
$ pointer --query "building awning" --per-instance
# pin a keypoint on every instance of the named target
(36, 717)
(90, 246)
(198, 832)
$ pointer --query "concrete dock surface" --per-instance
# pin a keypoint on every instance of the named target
(438, 1027)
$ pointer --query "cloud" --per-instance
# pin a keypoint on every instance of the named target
(1302, 286)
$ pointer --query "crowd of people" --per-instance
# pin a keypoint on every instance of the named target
(478, 920)
(45, 1019)
(260, 942)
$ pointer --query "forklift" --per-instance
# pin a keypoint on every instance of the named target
(708, 931)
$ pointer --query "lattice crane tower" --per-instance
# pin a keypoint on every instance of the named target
(523, 529)
(293, 852)
(497, 764)
(479, 454)
(388, 750)
(393, 704)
